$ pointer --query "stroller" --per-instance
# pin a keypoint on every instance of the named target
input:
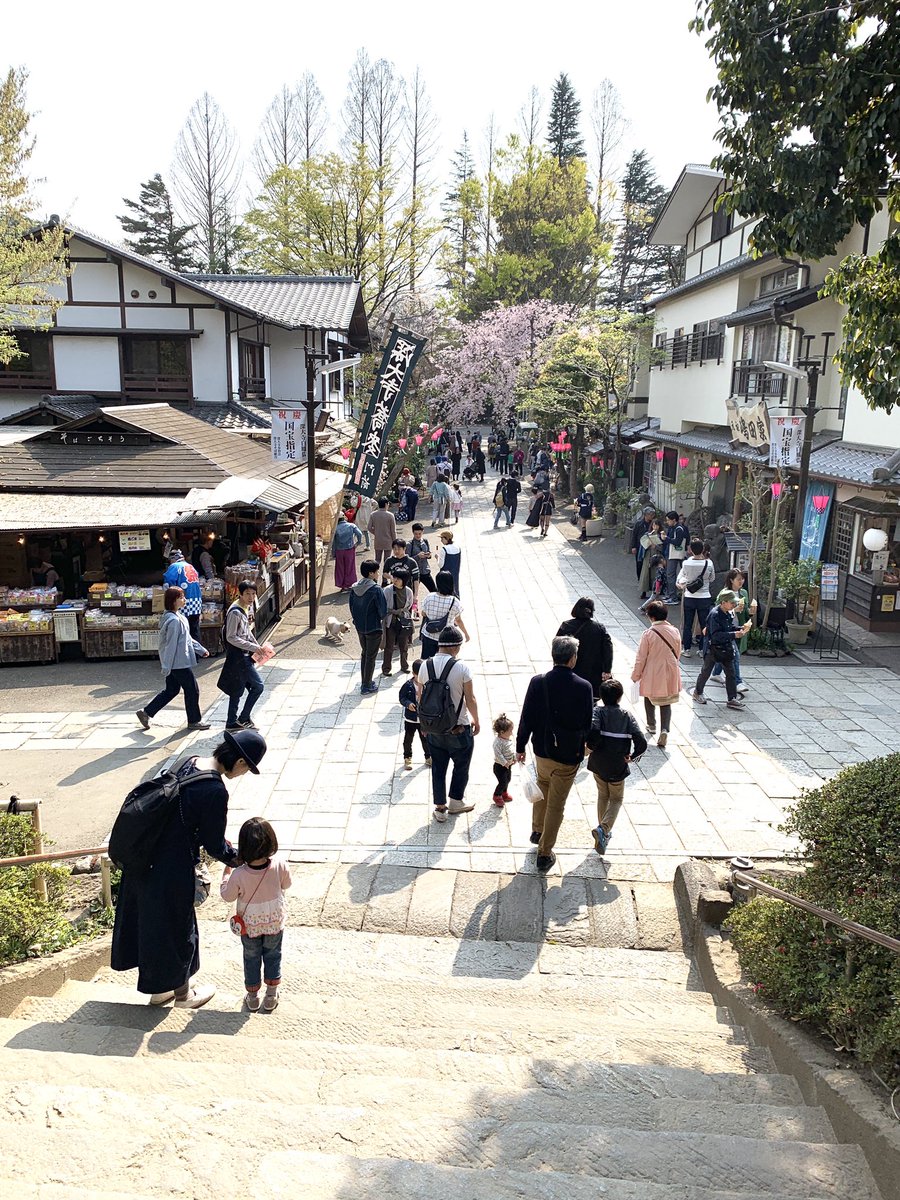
(470, 472)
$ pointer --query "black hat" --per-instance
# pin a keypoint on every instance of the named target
(450, 636)
(250, 745)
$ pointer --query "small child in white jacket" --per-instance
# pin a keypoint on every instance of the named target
(504, 757)
(258, 885)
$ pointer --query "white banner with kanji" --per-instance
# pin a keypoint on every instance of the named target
(787, 441)
(289, 435)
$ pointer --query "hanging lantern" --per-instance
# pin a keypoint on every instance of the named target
(563, 434)
(820, 503)
(595, 458)
(345, 452)
(435, 436)
(777, 489)
(713, 471)
(419, 439)
(437, 433)
(684, 461)
(567, 446)
(401, 442)
(660, 454)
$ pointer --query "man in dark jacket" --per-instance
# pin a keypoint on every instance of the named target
(511, 490)
(595, 648)
(556, 716)
(399, 557)
(675, 548)
(368, 608)
(722, 633)
(642, 525)
(614, 741)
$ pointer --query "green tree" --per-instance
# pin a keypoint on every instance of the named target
(32, 256)
(563, 132)
(207, 175)
(810, 128)
(463, 212)
(153, 229)
(638, 268)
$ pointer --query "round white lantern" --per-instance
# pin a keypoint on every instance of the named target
(875, 540)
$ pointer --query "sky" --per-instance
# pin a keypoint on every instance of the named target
(110, 85)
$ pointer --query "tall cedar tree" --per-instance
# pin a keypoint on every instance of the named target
(462, 208)
(563, 133)
(638, 269)
(153, 230)
(207, 174)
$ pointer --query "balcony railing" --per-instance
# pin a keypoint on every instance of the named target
(690, 349)
(26, 381)
(141, 385)
(252, 387)
(750, 379)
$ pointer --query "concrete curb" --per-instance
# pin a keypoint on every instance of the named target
(858, 1115)
(45, 976)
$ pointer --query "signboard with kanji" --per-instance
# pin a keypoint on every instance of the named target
(391, 382)
(749, 423)
(134, 539)
(289, 435)
(787, 441)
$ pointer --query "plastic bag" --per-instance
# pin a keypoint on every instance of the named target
(634, 693)
(530, 788)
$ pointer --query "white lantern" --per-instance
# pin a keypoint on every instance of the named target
(875, 540)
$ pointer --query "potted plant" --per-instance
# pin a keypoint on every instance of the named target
(799, 582)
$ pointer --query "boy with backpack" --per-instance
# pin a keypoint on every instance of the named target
(409, 704)
(448, 717)
(614, 741)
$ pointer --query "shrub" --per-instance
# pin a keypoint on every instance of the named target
(27, 922)
(849, 829)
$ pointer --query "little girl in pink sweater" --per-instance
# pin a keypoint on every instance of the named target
(258, 885)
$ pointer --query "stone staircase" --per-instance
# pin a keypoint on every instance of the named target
(410, 1067)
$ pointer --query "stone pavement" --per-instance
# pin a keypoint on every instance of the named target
(333, 783)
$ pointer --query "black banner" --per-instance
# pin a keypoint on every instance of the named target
(400, 357)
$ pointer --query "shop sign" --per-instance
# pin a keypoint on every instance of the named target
(749, 423)
(289, 435)
(110, 603)
(287, 579)
(829, 583)
(131, 641)
(134, 539)
(397, 365)
(787, 441)
(888, 601)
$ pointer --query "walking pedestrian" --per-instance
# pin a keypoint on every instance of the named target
(534, 509)
(156, 926)
(650, 544)
(657, 670)
(440, 498)
(511, 491)
(500, 506)
(239, 673)
(182, 574)
(595, 649)
(675, 548)
(364, 509)
(457, 743)
(449, 557)
(440, 609)
(519, 460)
(456, 501)
(721, 635)
(260, 882)
(735, 581)
(478, 461)
(556, 717)
(614, 741)
(585, 506)
(398, 622)
(346, 538)
(641, 527)
(420, 550)
(367, 612)
(178, 654)
(548, 504)
(408, 699)
(383, 529)
(693, 581)
(504, 758)
(455, 460)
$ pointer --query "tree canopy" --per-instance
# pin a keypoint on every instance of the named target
(153, 230)
(810, 132)
(563, 131)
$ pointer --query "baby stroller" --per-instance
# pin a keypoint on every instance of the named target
(470, 472)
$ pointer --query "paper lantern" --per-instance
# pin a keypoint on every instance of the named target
(820, 503)
(660, 454)
(875, 540)
(419, 439)
(713, 472)
(345, 452)
(567, 446)
(435, 436)
(401, 442)
(437, 433)
(595, 458)
(563, 434)
(684, 461)
(777, 489)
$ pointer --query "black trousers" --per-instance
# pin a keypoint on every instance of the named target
(194, 626)
(427, 582)
(728, 669)
(513, 506)
(410, 729)
(180, 680)
(368, 644)
(503, 776)
(665, 716)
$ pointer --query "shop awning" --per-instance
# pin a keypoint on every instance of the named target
(244, 492)
(641, 444)
(25, 512)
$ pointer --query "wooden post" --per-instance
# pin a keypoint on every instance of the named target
(105, 882)
(34, 807)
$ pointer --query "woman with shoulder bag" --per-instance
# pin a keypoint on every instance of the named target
(657, 670)
(694, 580)
(398, 623)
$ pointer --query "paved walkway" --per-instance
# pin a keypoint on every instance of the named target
(333, 783)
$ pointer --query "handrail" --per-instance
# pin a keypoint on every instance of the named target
(27, 860)
(824, 914)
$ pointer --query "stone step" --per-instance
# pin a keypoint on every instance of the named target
(68, 1133)
(511, 1067)
(637, 1043)
(424, 1011)
(65, 1191)
(160, 1082)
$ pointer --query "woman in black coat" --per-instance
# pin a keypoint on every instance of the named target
(595, 648)
(156, 929)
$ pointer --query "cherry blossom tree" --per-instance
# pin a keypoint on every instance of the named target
(488, 366)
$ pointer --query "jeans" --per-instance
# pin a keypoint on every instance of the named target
(446, 748)
(500, 512)
(254, 690)
(503, 775)
(673, 566)
(665, 715)
(730, 682)
(368, 643)
(512, 510)
(263, 951)
(410, 729)
(719, 667)
(181, 679)
(689, 609)
(609, 800)
(555, 780)
(395, 636)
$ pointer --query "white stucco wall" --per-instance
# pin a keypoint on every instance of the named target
(287, 378)
(96, 316)
(87, 364)
(208, 359)
(95, 281)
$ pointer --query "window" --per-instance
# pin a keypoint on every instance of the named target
(680, 346)
(669, 462)
(157, 367)
(721, 223)
(252, 380)
(707, 340)
(767, 342)
(32, 367)
(843, 536)
(782, 280)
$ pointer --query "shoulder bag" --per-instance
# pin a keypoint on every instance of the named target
(236, 921)
(697, 583)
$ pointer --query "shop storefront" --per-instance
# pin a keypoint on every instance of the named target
(866, 547)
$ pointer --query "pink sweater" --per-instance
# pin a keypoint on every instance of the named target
(259, 892)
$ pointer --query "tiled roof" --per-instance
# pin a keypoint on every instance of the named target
(43, 511)
(727, 268)
(637, 425)
(326, 302)
(852, 463)
(42, 465)
(234, 416)
(717, 442)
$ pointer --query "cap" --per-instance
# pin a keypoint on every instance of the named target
(250, 745)
(450, 636)
(727, 595)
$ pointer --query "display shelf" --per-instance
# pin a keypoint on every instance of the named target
(119, 643)
(27, 647)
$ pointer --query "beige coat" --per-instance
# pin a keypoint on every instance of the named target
(657, 666)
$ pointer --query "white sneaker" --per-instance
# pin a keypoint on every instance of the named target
(197, 997)
(440, 815)
(459, 806)
(162, 997)
(743, 689)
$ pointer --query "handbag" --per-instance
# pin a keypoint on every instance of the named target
(236, 920)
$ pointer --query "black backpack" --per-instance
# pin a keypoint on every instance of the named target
(142, 818)
(436, 711)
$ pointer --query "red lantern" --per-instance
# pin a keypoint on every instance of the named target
(419, 439)
(777, 489)
(563, 434)
(660, 454)
(401, 442)
(595, 458)
(713, 472)
(567, 446)
(820, 503)
(435, 436)
(684, 461)
(437, 433)
(345, 452)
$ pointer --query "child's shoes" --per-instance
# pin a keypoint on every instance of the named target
(252, 1001)
(498, 800)
(270, 1003)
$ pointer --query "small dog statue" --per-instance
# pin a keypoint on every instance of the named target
(334, 631)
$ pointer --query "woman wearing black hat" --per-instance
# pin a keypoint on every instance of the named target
(156, 929)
